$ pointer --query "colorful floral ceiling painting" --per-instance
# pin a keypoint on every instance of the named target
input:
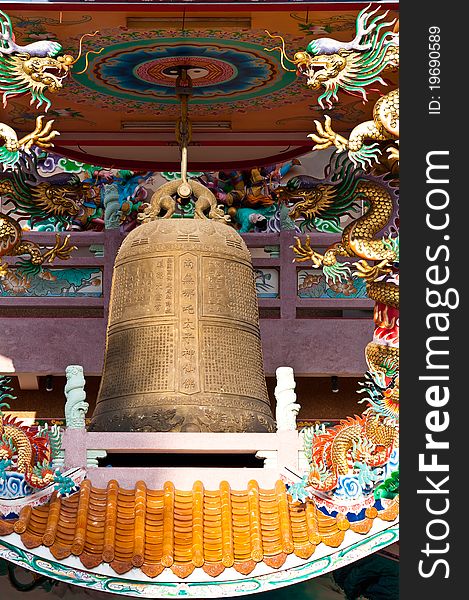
(239, 73)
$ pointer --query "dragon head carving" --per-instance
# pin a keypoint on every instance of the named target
(36, 75)
(313, 203)
(323, 69)
(320, 203)
(48, 72)
(36, 68)
(62, 200)
(312, 197)
(348, 66)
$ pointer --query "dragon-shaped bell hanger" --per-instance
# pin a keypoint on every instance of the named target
(180, 191)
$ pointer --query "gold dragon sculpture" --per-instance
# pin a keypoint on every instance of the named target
(369, 439)
(360, 446)
(353, 67)
(35, 69)
(12, 243)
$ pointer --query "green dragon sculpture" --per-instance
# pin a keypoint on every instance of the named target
(34, 69)
(60, 197)
(320, 204)
(353, 67)
(349, 66)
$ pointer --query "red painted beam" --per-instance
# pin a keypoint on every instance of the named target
(208, 6)
(63, 143)
(133, 165)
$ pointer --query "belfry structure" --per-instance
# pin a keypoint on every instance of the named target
(158, 323)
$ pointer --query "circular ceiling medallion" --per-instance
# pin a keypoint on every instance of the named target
(204, 72)
(227, 72)
(139, 70)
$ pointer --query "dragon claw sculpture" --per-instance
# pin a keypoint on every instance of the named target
(334, 271)
(393, 152)
(383, 127)
(304, 252)
(41, 136)
(13, 244)
(61, 249)
(371, 272)
(327, 137)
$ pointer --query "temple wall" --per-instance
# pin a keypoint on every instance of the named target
(321, 333)
(311, 346)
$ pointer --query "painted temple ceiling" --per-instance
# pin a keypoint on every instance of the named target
(245, 106)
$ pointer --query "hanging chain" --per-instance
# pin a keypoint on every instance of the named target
(183, 127)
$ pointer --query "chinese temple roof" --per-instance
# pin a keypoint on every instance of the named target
(181, 530)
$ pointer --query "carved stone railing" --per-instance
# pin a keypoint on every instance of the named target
(277, 281)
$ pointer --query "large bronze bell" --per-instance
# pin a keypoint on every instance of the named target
(183, 348)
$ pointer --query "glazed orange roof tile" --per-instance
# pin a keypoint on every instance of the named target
(183, 530)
